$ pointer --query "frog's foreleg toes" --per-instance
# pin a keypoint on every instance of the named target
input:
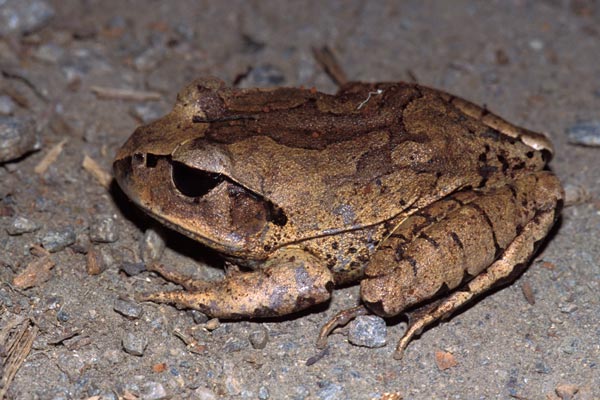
(174, 297)
(340, 319)
(171, 274)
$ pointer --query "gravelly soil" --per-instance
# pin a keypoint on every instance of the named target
(535, 63)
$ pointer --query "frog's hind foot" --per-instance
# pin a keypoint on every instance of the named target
(341, 318)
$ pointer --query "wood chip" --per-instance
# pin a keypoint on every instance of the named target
(124, 94)
(391, 396)
(36, 273)
(49, 158)
(91, 166)
(19, 340)
(528, 292)
(566, 391)
(445, 360)
(95, 264)
(330, 64)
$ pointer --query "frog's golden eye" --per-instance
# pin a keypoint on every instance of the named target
(192, 182)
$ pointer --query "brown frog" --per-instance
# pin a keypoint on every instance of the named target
(425, 198)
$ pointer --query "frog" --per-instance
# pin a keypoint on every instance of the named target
(424, 199)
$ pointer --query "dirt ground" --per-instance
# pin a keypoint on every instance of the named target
(536, 63)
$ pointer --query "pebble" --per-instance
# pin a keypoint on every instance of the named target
(567, 308)
(536, 44)
(332, 391)
(570, 344)
(21, 225)
(128, 308)
(18, 136)
(108, 396)
(132, 268)
(24, 16)
(263, 393)
(264, 75)
(7, 105)
(50, 53)
(234, 344)
(576, 194)
(542, 368)
(233, 382)
(212, 324)
(300, 392)
(149, 58)
(259, 338)
(147, 112)
(198, 316)
(152, 246)
(135, 344)
(153, 391)
(57, 240)
(5, 299)
(205, 394)
(104, 229)
(368, 331)
(62, 316)
(585, 133)
(44, 204)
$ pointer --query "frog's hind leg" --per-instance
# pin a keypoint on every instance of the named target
(291, 280)
(516, 255)
(486, 240)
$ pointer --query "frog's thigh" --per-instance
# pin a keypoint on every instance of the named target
(291, 280)
(505, 225)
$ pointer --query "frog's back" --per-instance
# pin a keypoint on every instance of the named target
(363, 156)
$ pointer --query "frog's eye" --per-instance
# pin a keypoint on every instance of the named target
(246, 204)
(192, 182)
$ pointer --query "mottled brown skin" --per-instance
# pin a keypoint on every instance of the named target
(417, 193)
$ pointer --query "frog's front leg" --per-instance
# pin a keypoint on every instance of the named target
(291, 280)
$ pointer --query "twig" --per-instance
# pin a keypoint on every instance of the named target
(27, 82)
(330, 65)
(124, 94)
(91, 166)
(49, 158)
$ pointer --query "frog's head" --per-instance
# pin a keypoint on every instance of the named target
(192, 191)
(189, 184)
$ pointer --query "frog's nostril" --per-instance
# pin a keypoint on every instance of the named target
(192, 182)
(138, 159)
(146, 160)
